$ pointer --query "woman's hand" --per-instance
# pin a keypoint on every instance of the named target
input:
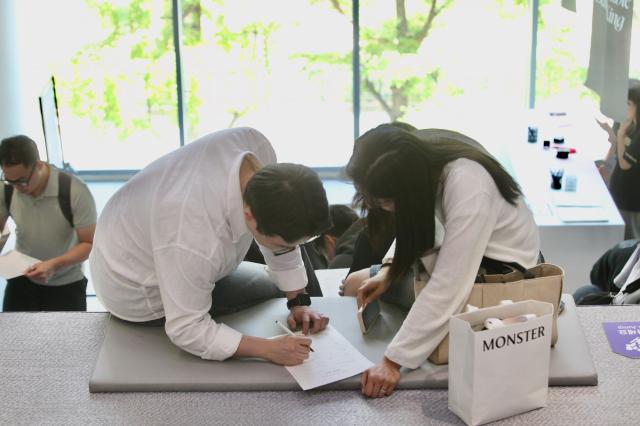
(381, 380)
(621, 144)
(373, 288)
(624, 126)
(352, 282)
(607, 128)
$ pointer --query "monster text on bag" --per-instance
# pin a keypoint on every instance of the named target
(512, 339)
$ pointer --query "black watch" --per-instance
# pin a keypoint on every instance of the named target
(301, 299)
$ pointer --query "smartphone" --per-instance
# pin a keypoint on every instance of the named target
(367, 316)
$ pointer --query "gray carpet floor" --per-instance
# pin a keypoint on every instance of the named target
(46, 360)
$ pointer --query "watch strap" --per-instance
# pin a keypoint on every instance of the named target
(301, 299)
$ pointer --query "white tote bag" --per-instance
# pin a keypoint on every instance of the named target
(499, 372)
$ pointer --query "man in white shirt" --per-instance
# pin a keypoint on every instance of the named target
(170, 243)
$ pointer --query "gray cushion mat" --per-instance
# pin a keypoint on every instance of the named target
(138, 358)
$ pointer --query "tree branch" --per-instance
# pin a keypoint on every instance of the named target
(433, 12)
(401, 13)
(234, 118)
(336, 6)
(378, 96)
(399, 101)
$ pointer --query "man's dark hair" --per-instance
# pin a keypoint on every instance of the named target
(289, 201)
(18, 149)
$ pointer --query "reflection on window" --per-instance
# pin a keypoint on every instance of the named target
(564, 42)
(116, 86)
(284, 70)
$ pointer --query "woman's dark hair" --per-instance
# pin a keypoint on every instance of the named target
(390, 163)
(383, 221)
(404, 126)
(17, 150)
(288, 200)
(634, 96)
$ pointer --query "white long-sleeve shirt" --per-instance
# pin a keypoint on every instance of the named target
(477, 222)
(166, 237)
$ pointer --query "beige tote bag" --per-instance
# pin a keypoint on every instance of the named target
(544, 285)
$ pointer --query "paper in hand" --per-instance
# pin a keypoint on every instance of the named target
(13, 264)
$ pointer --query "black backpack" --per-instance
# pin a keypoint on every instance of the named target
(64, 196)
(606, 268)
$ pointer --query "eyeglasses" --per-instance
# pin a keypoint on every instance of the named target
(286, 250)
(23, 182)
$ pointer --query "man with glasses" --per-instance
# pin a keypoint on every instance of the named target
(31, 189)
(170, 245)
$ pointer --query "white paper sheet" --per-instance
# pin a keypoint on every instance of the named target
(13, 264)
(333, 359)
(582, 198)
(581, 214)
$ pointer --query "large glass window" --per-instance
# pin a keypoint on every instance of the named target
(114, 66)
(458, 65)
(284, 70)
(564, 43)
(564, 39)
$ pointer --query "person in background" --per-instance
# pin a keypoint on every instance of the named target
(170, 245)
(34, 193)
(486, 224)
(625, 179)
(603, 275)
(608, 164)
(326, 250)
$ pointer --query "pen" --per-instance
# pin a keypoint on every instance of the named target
(289, 332)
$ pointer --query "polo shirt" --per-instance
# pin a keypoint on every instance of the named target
(42, 230)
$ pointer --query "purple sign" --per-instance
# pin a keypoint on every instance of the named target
(624, 338)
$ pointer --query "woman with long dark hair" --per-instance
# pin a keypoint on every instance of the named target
(419, 180)
(625, 179)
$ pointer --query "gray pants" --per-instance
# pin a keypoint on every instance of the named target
(400, 293)
(248, 285)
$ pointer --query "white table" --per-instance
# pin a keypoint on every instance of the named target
(565, 240)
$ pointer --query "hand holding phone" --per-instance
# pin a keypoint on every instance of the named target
(367, 315)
